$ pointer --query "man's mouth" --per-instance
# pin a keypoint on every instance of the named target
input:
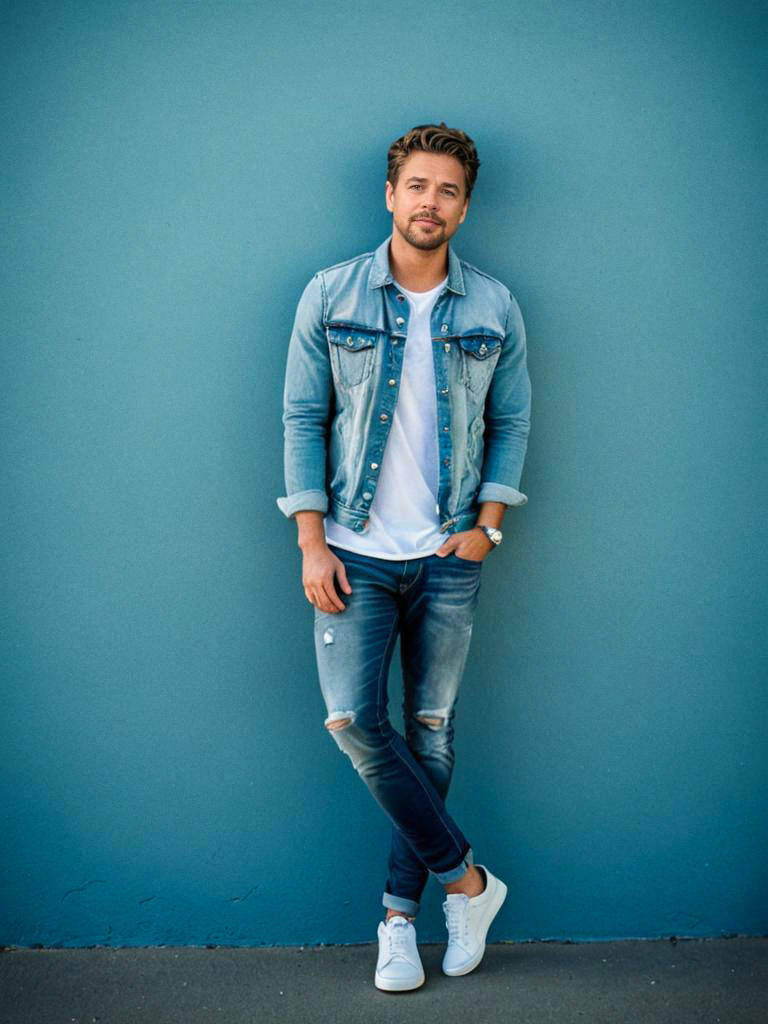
(426, 220)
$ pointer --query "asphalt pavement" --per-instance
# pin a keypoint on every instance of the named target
(663, 981)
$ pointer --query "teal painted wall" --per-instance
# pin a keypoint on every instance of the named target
(173, 173)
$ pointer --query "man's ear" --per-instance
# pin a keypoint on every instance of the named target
(388, 195)
(464, 211)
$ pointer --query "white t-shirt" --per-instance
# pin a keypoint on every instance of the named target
(403, 520)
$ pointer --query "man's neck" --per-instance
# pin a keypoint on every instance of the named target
(418, 270)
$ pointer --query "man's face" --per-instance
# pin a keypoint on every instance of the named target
(429, 201)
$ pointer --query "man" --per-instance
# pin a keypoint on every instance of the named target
(406, 415)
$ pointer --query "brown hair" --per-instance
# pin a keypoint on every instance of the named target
(434, 138)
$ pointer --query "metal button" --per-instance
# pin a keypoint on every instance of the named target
(443, 391)
(447, 346)
(401, 298)
(444, 329)
(349, 341)
(446, 428)
(374, 465)
(446, 462)
(367, 495)
(483, 348)
(400, 321)
(391, 382)
(383, 417)
(394, 341)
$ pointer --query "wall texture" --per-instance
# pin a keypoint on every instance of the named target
(173, 173)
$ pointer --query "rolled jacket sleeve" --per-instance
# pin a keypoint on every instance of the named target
(306, 407)
(507, 417)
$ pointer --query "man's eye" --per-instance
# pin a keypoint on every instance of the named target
(415, 186)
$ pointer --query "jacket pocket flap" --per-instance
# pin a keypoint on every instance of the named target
(351, 338)
(481, 346)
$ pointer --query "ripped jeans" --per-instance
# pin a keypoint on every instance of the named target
(430, 602)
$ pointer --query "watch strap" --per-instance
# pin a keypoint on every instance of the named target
(492, 533)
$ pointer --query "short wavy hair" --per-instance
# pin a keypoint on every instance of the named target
(434, 138)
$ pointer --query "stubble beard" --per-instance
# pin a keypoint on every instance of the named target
(424, 242)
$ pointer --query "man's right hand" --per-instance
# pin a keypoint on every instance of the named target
(319, 568)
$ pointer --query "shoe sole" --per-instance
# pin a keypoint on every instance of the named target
(498, 899)
(401, 985)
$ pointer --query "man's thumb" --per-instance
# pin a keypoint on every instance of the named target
(341, 574)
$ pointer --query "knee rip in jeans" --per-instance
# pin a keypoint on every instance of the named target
(432, 719)
(339, 720)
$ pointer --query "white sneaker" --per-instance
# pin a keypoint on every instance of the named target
(398, 968)
(468, 920)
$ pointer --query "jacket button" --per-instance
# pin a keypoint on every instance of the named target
(349, 341)
(446, 428)
(374, 465)
(383, 417)
(444, 391)
(400, 321)
(446, 462)
(444, 328)
(483, 348)
(391, 382)
(447, 346)
(401, 298)
(367, 495)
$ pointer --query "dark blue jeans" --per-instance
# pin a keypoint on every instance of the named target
(430, 602)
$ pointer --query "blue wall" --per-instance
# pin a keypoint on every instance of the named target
(173, 174)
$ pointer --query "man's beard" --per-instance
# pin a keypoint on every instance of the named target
(425, 242)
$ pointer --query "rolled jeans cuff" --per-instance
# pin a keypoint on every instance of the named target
(455, 873)
(400, 903)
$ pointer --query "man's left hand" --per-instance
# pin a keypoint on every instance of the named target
(472, 544)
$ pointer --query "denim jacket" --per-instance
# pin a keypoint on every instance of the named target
(343, 369)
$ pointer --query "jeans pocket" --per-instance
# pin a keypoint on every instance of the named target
(468, 561)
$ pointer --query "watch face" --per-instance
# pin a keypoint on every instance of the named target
(492, 533)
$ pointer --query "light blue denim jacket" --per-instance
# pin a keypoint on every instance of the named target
(343, 370)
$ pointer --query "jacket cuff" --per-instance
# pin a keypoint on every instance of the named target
(303, 501)
(500, 492)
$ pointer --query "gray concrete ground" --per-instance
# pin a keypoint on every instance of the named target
(706, 981)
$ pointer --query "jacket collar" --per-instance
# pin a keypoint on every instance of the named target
(380, 274)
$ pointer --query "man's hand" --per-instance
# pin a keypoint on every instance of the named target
(472, 544)
(319, 564)
(319, 568)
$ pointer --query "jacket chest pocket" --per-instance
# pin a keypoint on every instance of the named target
(479, 355)
(352, 351)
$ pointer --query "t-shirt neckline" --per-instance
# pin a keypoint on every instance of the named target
(421, 295)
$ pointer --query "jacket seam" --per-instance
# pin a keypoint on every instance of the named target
(324, 298)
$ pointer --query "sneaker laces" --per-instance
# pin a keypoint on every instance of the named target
(398, 939)
(457, 920)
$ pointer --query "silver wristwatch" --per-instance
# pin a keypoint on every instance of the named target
(493, 535)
